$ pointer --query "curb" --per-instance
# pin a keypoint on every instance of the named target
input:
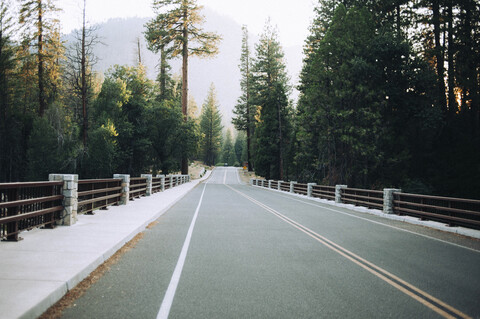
(467, 232)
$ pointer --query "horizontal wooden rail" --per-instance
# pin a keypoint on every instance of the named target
(453, 211)
(95, 194)
(324, 192)
(363, 197)
(24, 206)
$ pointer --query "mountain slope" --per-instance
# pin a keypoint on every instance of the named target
(119, 46)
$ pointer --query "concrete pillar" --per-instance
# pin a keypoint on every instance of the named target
(251, 181)
(292, 185)
(70, 199)
(310, 189)
(388, 199)
(149, 183)
(279, 186)
(171, 181)
(125, 188)
(162, 182)
(270, 184)
(338, 193)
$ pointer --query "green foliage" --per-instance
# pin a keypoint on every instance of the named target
(210, 129)
(228, 151)
(270, 84)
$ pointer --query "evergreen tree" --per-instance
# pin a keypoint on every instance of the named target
(40, 27)
(180, 27)
(241, 147)
(228, 150)
(244, 110)
(8, 130)
(210, 128)
(270, 84)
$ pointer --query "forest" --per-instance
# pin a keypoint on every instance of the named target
(389, 97)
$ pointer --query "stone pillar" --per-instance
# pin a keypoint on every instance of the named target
(270, 184)
(279, 186)
(171, 181)
(125, 188)
(149, 183)
(338, 193)
(162, 182)
(388, 199)
(292, 185)
(310, 189)
(70, 199)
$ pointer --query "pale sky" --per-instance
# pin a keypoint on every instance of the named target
(292, 17)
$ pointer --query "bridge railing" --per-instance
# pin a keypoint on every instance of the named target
(138, 187)
(452, 211)
(95, 194)
(324, 192)
(362, 197)
(301, 189)
(24, 206)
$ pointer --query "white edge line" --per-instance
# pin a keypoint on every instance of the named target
(372, 221)
(238, 176)
(172, 287)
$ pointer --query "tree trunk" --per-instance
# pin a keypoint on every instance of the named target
(41, 87)
(452, 102)
(84, 82)
(439, 55)
(163, 70)
(185, 80)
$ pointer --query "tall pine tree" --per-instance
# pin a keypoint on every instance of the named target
(210, 129)
(180, 27)
(270, 84)
(244, 119)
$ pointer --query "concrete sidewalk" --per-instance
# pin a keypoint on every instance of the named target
(38, 271)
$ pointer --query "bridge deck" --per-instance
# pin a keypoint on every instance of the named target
(228, 250)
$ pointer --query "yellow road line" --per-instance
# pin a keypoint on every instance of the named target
(365, 264)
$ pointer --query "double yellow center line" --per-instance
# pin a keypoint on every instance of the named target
(410, 290)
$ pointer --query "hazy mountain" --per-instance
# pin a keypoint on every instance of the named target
(119, 46)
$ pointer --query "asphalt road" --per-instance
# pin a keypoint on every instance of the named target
(229, 250)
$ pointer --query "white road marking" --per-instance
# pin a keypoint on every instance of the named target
(380, 223)
(172, 287)
(238, 175)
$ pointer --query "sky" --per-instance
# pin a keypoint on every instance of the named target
(292, 17)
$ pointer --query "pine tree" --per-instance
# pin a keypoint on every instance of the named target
(270, 84)
(244, 110)
(40, 27)
(7, 69)
(210, 128)
(180, 27)
(228, 150)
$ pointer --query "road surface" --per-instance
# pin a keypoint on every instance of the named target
(229, 250)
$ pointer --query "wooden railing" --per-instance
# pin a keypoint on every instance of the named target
(24, 206)
(453, 211)
(285, 186)
(325, 192)
(363, 197)
(156, 184)
(301, 189)
(138, 187)
(94, 194)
